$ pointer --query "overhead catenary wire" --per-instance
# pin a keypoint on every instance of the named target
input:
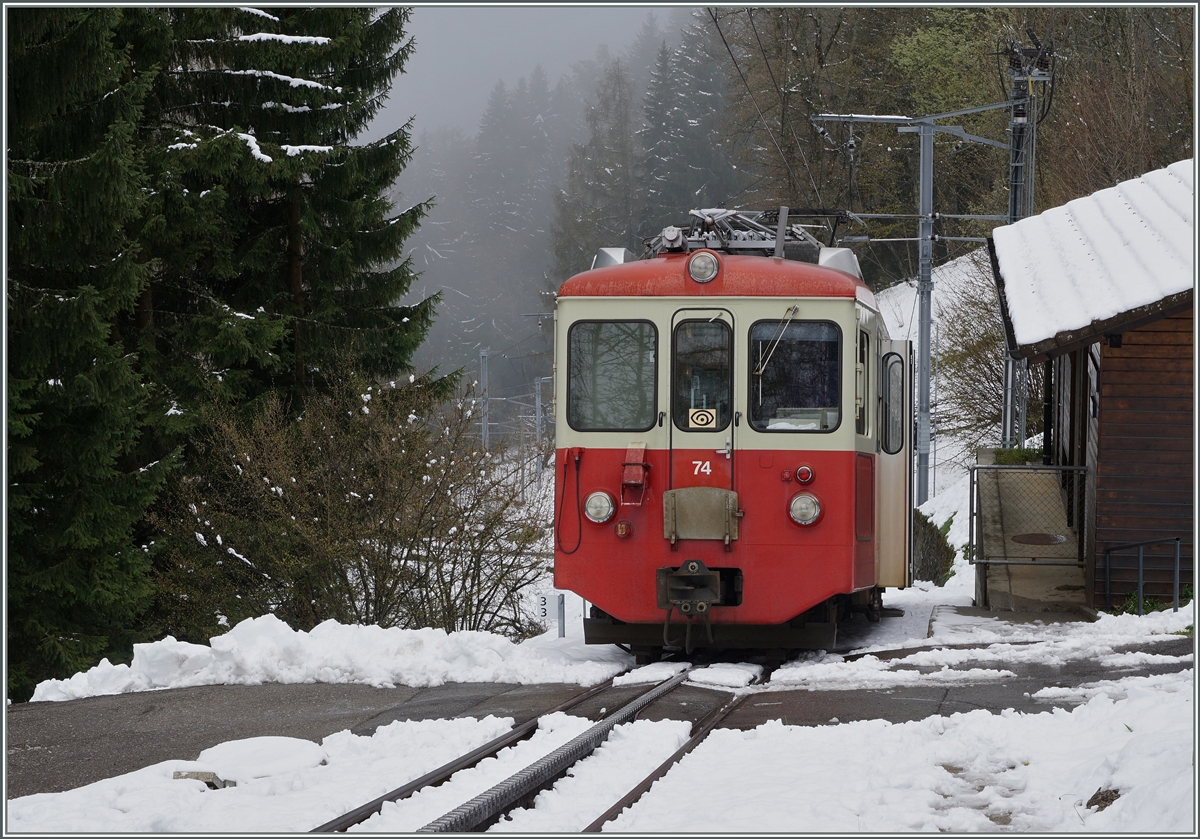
(783, 109)
(752, 187)
(1050, 85)
(742, 75)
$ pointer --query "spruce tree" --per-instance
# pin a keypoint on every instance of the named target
(661, 136)
(281, 254)
(76, 573)
(641, 55)
(598, 207)
(494, 174)
(540, 143)
(279, 246)
(685, 160)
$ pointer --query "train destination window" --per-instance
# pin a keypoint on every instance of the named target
(794, 376)
(702, 387)
(612, 375)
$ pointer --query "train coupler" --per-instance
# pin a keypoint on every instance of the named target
(693, 590)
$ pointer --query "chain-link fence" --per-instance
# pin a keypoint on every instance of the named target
(1027, 515)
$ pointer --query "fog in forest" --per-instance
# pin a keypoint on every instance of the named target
(544, 133)
(497, 97)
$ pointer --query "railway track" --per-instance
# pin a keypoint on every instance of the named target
(518, 790)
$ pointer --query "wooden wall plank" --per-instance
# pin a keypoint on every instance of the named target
(1180, 429)
(1144, 473)
(1152, 364)
(1175, 442)
(1152, 403)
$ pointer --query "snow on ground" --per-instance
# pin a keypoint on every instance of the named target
(726, 674)
(356, 770)
(428, 804)
(993, 642)
(265, 649)
(659, 671)
(978, 772)
(965, 772)
(632, 751)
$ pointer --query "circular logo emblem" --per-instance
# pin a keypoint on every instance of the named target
(702, 418)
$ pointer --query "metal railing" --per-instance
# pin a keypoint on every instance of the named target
(1141, 548)
(1031, 518)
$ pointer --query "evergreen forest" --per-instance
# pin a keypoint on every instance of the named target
(230, 389)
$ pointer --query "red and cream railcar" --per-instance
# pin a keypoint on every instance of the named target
(733, 449)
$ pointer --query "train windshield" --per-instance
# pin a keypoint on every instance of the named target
(702, 390)
(611, 380)
(794, 376)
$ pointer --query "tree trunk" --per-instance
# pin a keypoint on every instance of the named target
(296, 281)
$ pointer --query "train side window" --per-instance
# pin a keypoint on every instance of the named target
(612, 375)
(795, 376)
(893, 403)
(702, 389)
(862, 370)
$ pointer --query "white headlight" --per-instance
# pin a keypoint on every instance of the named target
(599, 507)
(804, 508)
(702, 267)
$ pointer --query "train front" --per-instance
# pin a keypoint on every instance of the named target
(716, 466)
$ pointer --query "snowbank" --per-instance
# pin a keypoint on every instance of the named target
(265, 649)
(952, 502)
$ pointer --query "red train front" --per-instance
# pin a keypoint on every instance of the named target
(733, 452)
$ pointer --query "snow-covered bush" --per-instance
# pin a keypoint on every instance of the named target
(374, 506)
(933, 556)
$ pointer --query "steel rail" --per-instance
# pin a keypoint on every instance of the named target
(700, 731)
(504, 796)
(489, 805)
(442, 773)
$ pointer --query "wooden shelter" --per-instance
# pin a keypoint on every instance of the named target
(1101, 292)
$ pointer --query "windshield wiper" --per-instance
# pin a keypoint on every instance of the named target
(783, 325)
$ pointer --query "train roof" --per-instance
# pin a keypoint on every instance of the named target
(666, 275)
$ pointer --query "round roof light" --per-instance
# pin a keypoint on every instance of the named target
(599, 507)
(804, 508)
(702, 267)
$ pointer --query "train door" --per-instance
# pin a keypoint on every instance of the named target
(702, 425)
(893, 485)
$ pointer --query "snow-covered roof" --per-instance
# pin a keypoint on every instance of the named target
(1098, 263)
